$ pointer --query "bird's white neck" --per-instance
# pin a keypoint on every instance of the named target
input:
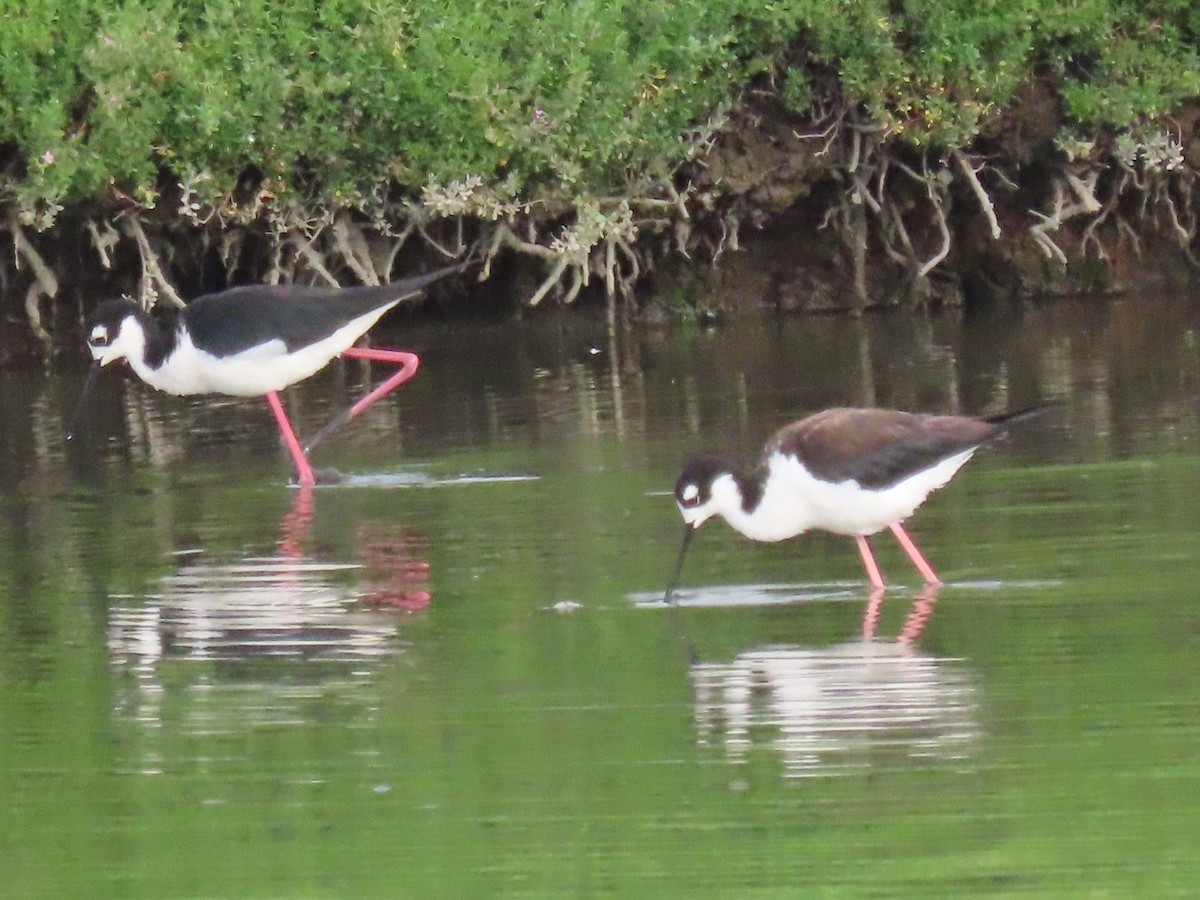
(761, 507)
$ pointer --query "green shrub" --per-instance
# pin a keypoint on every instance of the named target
(339, 101)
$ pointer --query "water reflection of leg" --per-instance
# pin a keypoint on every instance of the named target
(395, 568)
(914, 623)
(295, 524)
(871, 613)
(918, 615)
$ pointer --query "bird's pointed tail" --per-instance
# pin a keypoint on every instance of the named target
(1006, 419)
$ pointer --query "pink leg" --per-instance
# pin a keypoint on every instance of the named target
(408, 362)
(303, 470)
(864, 550)
(914, 554)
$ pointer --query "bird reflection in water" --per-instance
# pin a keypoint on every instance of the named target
(854, 706)
(394, 561)
(395, 568)
(254, 639)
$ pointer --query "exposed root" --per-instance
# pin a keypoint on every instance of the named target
(388, 260)
(935, 190)
(45, 283)
(448, 252)
(231, 249)
(891, 210)
(1090, 237)
(350, 243)
(507, 237)
(1081, 202)
(104, 243)
(610, 269)
(154, 282)
(579, 278)
(1152, 189)
(305, 250)
(551, 280)
(985, 202)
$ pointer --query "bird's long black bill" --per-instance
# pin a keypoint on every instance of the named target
(688, 532)
(83, 398)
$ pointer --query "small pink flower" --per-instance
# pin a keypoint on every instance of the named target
(48, 158)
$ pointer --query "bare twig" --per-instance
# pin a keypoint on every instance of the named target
(610, 268)
(152, 273)
(829, 135)
(509, 239)
(985, 202)
(304, 248)
(934, 189)
(437, 245)
(936, 260)
(104, 243)
(578, 280)
(1085, 202)
(398, 242)
(345, 236)
(44, 279)
(551, 280)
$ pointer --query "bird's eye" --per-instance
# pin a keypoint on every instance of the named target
(689, 495)
(99, 337)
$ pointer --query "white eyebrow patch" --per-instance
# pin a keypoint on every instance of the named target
(689, 493)
(99, 333)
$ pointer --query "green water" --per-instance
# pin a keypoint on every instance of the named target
(449, 675)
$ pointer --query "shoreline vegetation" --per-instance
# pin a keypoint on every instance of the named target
(865, 153)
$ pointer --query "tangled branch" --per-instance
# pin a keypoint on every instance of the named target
(45, 283)
(154, 282)
(1081, 201)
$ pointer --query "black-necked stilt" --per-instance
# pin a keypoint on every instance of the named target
(848, 471)
(254, 341)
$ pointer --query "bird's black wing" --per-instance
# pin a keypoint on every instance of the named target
(240, 318)
(876, 447)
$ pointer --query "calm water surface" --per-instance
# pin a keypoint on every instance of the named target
(450, 674)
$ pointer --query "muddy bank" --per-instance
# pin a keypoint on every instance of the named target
(836, 218)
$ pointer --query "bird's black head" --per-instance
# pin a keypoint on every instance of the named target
(116, 330)
(694, 487)
(110, 330)
(694, 497)
(695, 490)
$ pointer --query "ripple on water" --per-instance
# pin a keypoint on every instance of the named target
(419, 480)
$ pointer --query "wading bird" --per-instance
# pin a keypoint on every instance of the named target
(849, 471)
(254, 341)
